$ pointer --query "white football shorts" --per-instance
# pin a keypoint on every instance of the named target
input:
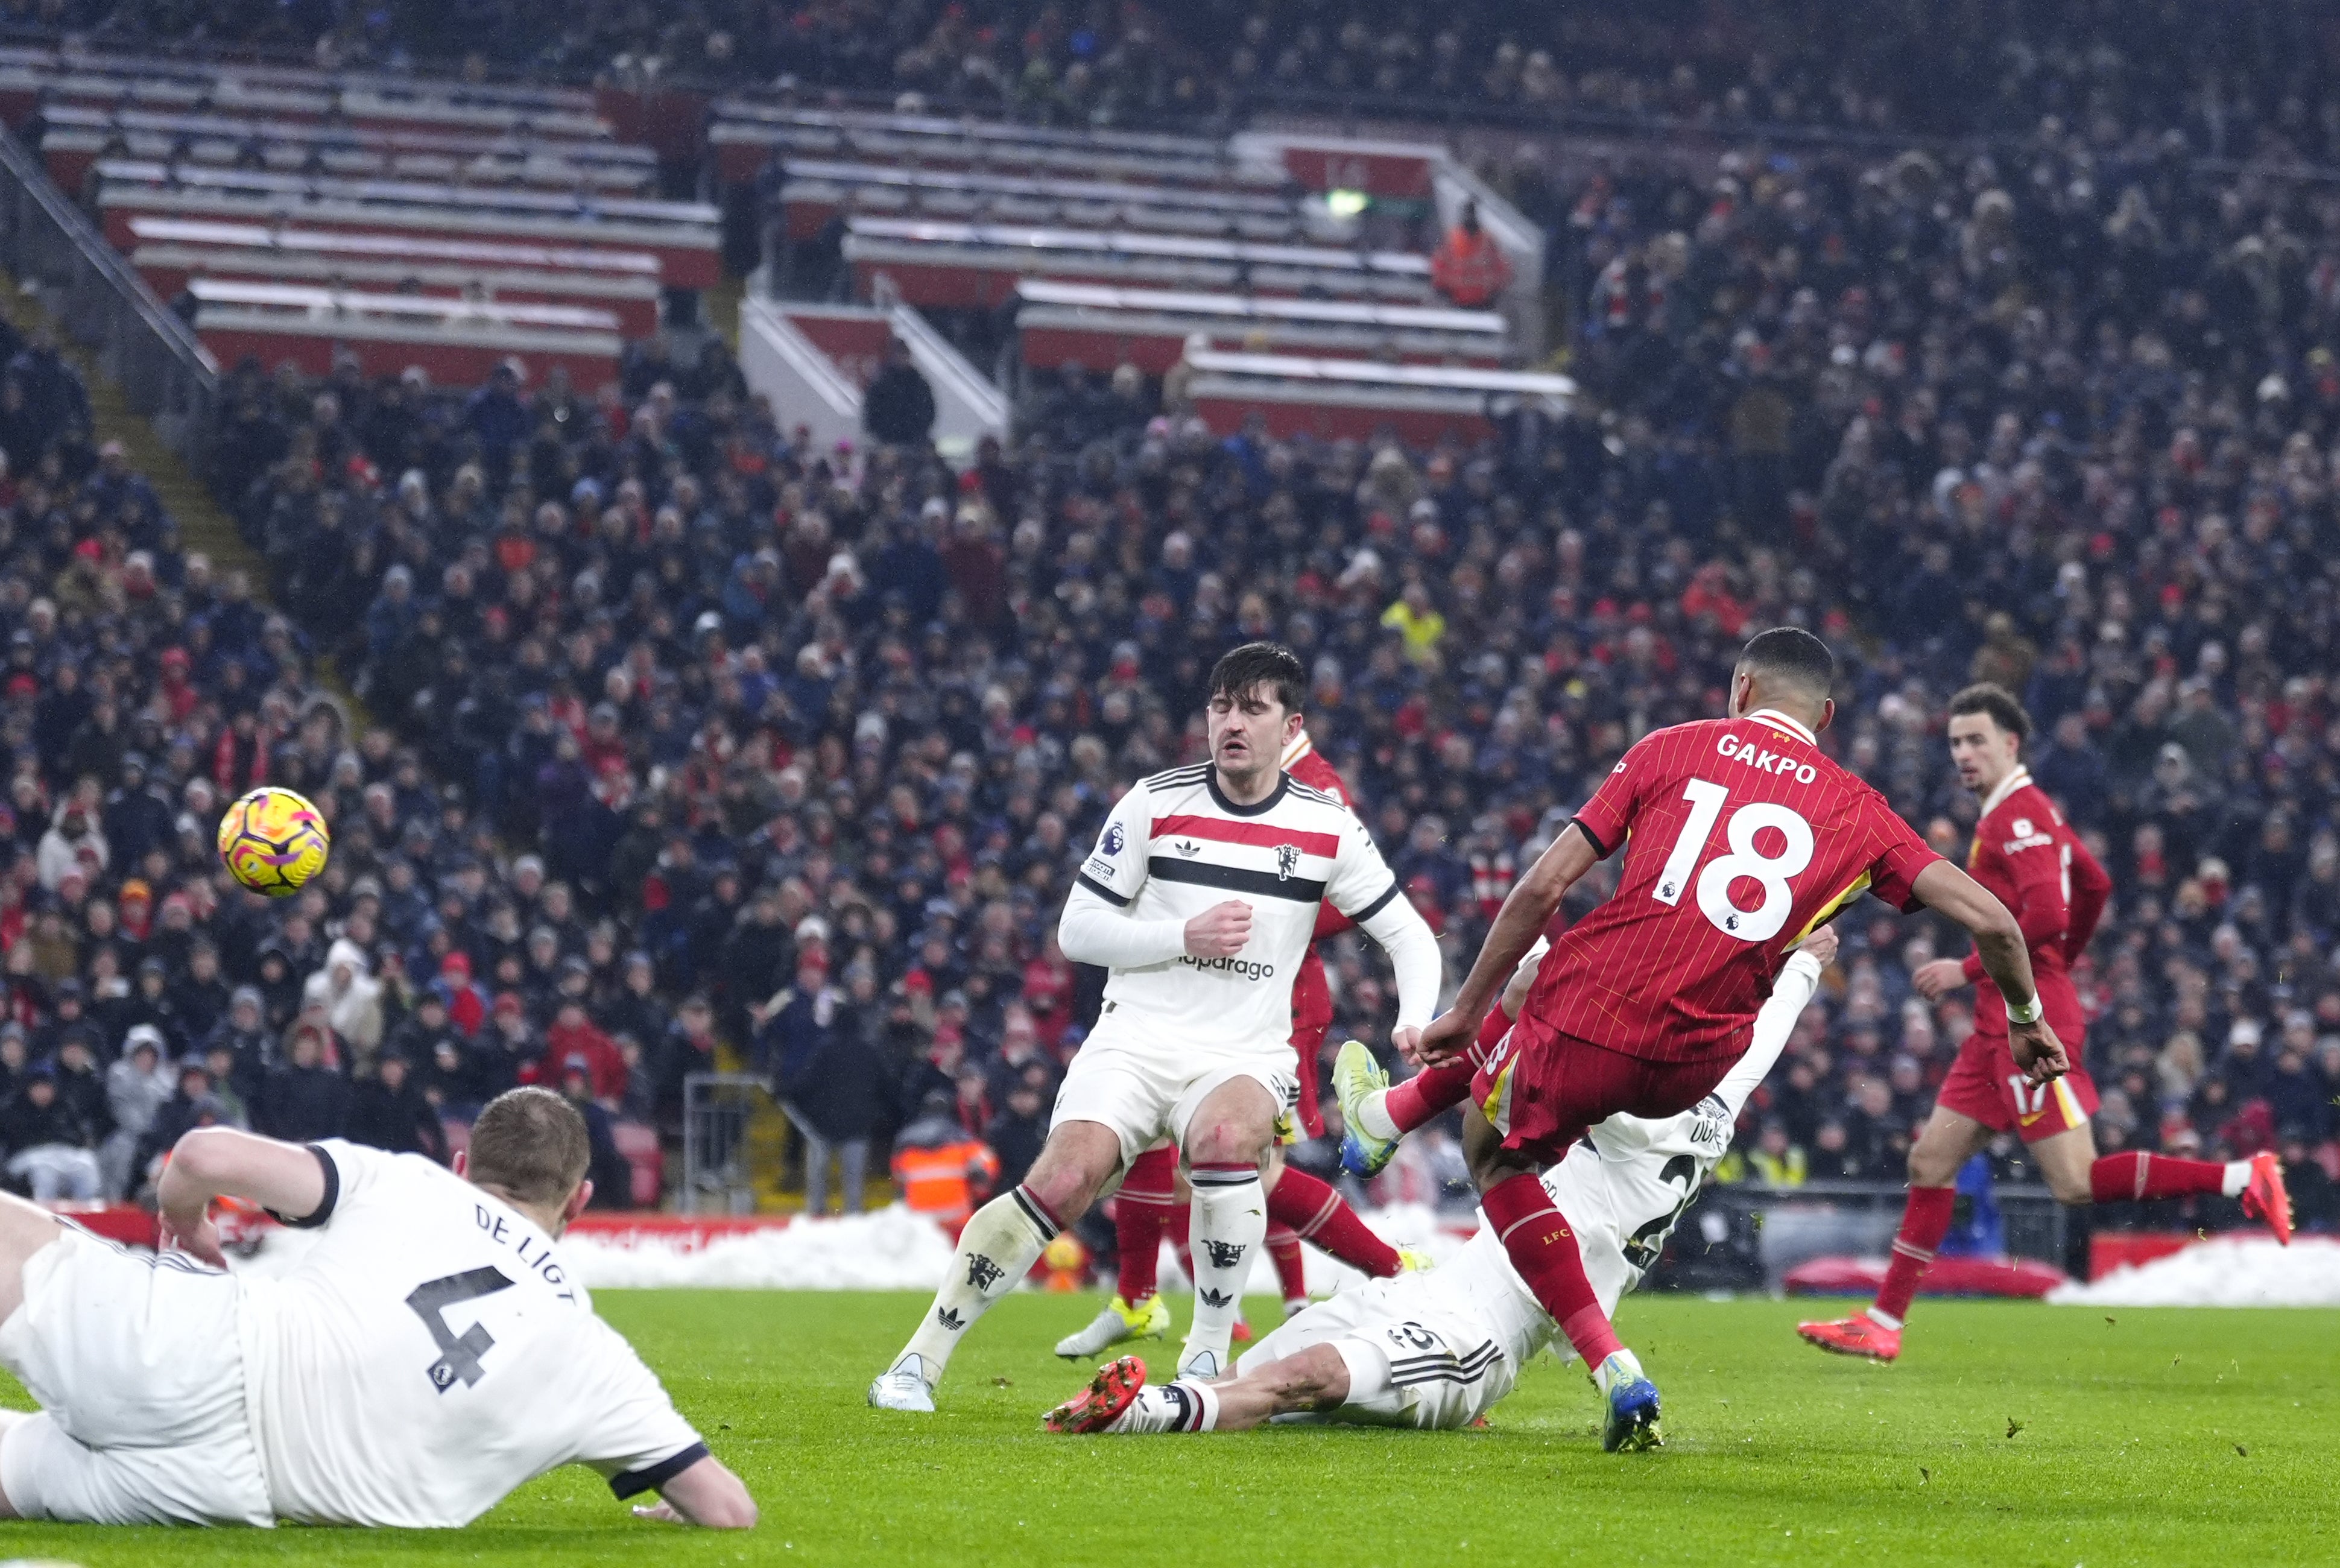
(137, 1363)
(1142, 1085)
(1416, 1355)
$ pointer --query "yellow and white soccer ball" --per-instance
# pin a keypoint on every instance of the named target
(274, 841)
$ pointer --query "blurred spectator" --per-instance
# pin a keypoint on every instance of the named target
(897, 406)
(388, 1111)
(137, 1085)
(839, 1098)
(1468, 267)
(939, 1168)
(302, 1099)
(1017, 1133)
(49, 1143)
(611, 1174)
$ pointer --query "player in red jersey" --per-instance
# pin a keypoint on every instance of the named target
(1299, 1206)
(1744, 836)
(2027, 854)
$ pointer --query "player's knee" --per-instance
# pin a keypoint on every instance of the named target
(2070, 1187)
(1225, 1140)
(1068, 1173)
(1928, 1168)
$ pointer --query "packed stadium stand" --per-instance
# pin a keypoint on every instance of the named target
(744, 708)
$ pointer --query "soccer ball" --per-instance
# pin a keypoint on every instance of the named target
(274, 841)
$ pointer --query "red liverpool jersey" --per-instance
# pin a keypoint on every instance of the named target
(1306, 763)
(1743, 837)
(2027, 855)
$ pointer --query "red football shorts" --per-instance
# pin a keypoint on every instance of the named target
(1543, 1092)
(1986, 1086)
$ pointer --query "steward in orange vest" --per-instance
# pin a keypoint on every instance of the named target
(941, 1169)
(1468, 266)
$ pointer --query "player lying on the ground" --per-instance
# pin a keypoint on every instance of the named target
(429, 1354)
(2025, 853)
(1194, 1038)
(1438, 1350)
(1739, 836)
(1149, 1207)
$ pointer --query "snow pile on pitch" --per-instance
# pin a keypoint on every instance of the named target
(892, 1249)
(2256, 1271)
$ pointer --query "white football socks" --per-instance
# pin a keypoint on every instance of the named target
(1230, 1223)
(1180, 1406)
(1621, 1366)
(1373, 1116)
(995, 1251)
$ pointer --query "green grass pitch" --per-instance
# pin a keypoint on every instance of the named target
(2008, 1434)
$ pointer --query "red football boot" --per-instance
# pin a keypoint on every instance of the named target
(2266, 1197)
(1857, 1336)
(1100, 1405)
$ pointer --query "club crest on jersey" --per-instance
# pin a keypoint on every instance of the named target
(2027, 837)
(1287, 861)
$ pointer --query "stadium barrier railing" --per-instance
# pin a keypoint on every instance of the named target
(1746, 1235)
(101, 302)
(719, 1114)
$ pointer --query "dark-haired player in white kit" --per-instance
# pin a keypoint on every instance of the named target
(429, 1354)
(1201, 896)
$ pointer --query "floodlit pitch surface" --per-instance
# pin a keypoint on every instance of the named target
(2008, 1433)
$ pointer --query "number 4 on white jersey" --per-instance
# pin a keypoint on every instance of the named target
(1762, 922)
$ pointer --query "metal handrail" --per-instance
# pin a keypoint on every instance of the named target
(101, 302)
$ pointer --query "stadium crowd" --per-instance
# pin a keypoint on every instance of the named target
(2057, 421)
(2257, 84)
(695, 733)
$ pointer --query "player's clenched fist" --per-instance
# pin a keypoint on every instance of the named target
(1219, 931)
(1448, 1036)
(2037, 1051)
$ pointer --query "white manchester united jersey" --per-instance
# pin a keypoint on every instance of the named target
(433, 1352)
(1174, 845)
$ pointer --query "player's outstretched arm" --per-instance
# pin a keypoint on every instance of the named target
(1412, 949)
(1534, 899)
(1999, 941)
(706, 1495)
(220, 1161)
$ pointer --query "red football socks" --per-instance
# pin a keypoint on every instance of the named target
(1537, 1239)
(1182, 1235)
(2136, 1177)
(1427, 1093)
(1312, 1209)
(1283, 1251)
(1141, 1214)
(1436, 1089)
(1923, 1222)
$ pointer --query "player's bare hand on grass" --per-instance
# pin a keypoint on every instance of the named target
(2037, 1051)
(198, 1239)
(1821, 945)
(659, 1513)
(1939, 977)
(1219, 931)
